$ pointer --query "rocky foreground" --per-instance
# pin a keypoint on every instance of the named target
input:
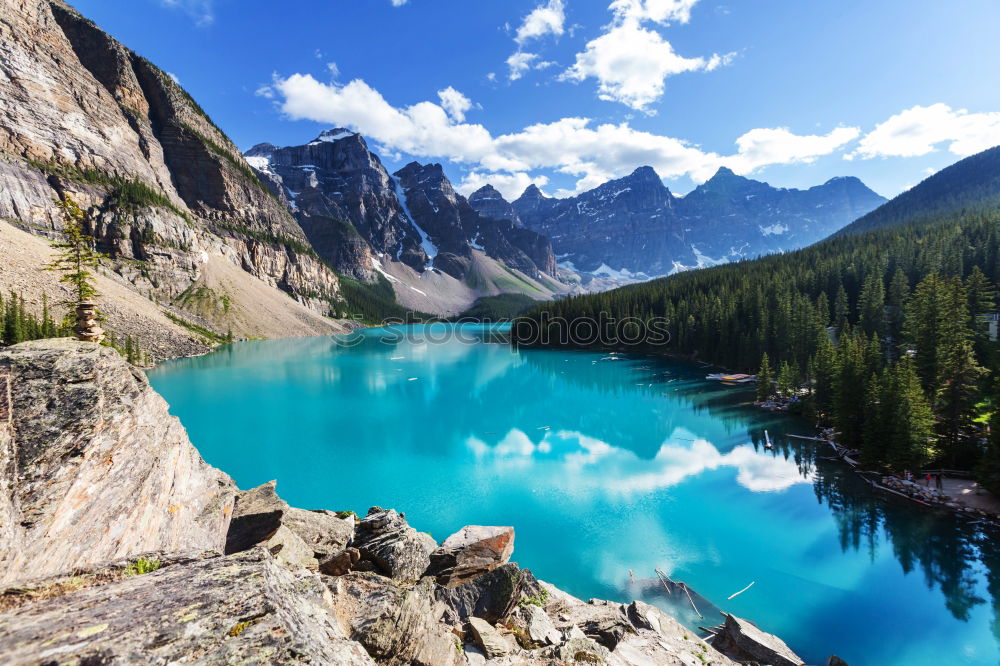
(119, 544)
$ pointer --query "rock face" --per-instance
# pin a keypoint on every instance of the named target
(245, 608)
(488, 202)
(94, 466)
(398, 550)
(397, 623)
(108, 518)
(634, 227)
(81, 115)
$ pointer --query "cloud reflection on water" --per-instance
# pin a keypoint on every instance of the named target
(596, 463)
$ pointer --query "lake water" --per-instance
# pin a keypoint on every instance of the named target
(604, 464)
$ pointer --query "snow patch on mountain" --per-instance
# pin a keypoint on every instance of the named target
(425, 240)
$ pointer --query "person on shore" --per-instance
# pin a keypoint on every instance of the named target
(927, 479)
(938, 481)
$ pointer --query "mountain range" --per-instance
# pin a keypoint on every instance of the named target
(410, 227)
(635, 227)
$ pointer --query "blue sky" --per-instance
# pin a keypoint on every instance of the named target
(568, 93)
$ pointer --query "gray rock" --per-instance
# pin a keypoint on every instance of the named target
(341, 563)
(741, 641)
(834, 660)
(489, 640)
(536, 625)
(583, 650)
(471, 551)
(93, 466)
(398, 550)
(492, 596)
(296, 536)
(244, 608)
(397, 624)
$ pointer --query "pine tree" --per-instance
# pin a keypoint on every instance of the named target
(956, 397)
(841, 308)
(764, 379)
(76, 255)
(988, 469)
(788, 380)
(871, 306)
(911, 421)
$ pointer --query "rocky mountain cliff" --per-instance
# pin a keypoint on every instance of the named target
(634, 227)
(118, 544)
(167, 192)
(366, 222)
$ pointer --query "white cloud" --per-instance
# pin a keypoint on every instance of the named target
(760, 147)
(423, 129)
(399, 3)
(630, 61)
(510, 185)
(658, 11)
(919, 130)
(333, 69)
(173, 77)
(519, 63)
(547, 19)
(200, 10)
(455, 103)
(592, 153)
(267, 92)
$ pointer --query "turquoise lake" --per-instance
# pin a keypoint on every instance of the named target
(604, 464)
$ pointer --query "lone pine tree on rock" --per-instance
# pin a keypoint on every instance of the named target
(76, 258)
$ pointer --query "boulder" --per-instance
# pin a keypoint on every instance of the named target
(492, 596)
(93, 467)
(743, 641)
(471, 551)
(490, 641)
(341, 563)
(399, 551)
(296, 536)
(397, 623)
(244, 608)
(534, 624)
(582, 650)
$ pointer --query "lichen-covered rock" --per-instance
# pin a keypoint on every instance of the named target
(471, 551)
(244, 608)
(397, 623)
(490, 641)
(399, 551)
(93, 466)
(743, 641)
(536, 625)
(296, 536)
(491, 596)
